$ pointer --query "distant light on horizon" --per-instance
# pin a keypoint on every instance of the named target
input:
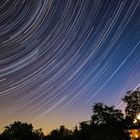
(138, 116)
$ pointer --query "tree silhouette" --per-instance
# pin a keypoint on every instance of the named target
(60, 134)
(108, 123)
(20, 131)
(84, 130)
(132, 100)
(64, 131)
(103, 114)
(76, 133)
(38, 133)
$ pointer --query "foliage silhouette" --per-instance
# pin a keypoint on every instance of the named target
(106, 123)
(21, 131)
(59, 134)
(132, 100)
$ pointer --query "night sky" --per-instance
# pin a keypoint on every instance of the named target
(59, 57)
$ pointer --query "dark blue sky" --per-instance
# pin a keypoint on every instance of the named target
(59, 57)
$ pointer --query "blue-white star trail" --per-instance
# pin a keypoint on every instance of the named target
(59, 57)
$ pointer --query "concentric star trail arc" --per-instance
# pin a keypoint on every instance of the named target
(57, 58)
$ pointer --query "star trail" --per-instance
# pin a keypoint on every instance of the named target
(59, 57)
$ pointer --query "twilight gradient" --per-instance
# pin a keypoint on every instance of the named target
(59, 57)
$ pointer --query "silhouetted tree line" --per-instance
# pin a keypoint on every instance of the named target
(106, 123)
